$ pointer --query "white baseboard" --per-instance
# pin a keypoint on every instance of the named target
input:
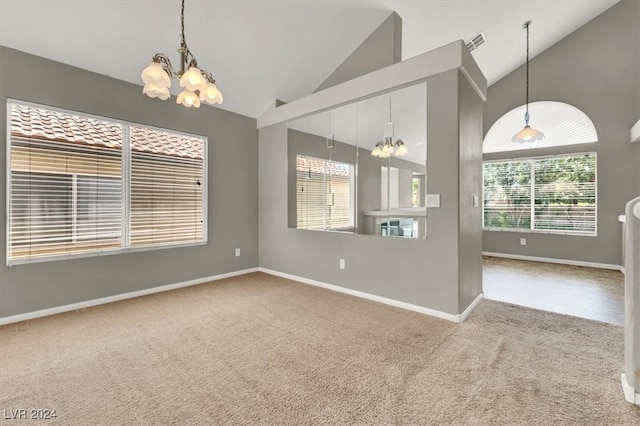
(458, 318)
(463, 316)
(117, 297)
(629, 393)
(553, 260)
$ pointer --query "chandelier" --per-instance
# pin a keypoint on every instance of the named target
(198, 84)
(386, 147)
(527, 134)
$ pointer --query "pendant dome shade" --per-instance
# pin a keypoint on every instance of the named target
(154, 91)
(156, 75)
(210, 94)
(188, 99)
(192, 79)
(527, 134)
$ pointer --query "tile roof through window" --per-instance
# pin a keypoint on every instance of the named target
(317, 165)
(37, 123)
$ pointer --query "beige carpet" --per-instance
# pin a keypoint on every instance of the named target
(258, 349)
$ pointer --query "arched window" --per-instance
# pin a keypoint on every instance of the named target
(561, 123)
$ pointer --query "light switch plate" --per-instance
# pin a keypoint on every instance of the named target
(331, 141)
(475, 201)
(433, 200)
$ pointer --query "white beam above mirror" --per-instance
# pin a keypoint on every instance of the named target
(409, 72)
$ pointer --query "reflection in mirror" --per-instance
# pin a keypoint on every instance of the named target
(392, 135)
(361, 167)
(322, 157)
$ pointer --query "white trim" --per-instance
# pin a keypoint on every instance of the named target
(458, 318)
(630, 395)
(624, 272)
(463, 316)
(532, 229)
(8, 178)
(117, 297)
(552, 260)
(635, 132)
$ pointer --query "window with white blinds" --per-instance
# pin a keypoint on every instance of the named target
(167, 189)
(324, 194)
(84, 185)
(555, 194)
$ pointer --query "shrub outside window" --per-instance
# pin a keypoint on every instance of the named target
(554, 194)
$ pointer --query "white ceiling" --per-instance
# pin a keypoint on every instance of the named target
(260, 51)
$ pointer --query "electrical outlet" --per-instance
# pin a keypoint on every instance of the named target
(237, 252)
(523, 241)
(342, 264)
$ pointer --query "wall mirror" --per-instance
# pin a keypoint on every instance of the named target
(361, 167)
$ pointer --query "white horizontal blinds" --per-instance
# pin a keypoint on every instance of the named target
(565, 193)
(65, 185)
(339, 195)
(98, 208)
(507, 194)
(167, 188)
(324, 193)
(310, 192)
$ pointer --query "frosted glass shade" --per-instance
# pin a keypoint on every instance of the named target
(156, 75)
(210, 94)
(192, 80)
(154, 91)
(189, 99)
(402, 149)
(527, 134)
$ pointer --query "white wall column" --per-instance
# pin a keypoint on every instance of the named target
(631, 376)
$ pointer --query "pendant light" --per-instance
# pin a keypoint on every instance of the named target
(198, 84)
(528, 133)
(387, 147)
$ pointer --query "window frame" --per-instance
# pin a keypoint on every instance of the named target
(125, 176)
(532, 230)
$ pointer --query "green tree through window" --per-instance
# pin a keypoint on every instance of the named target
(563, 194)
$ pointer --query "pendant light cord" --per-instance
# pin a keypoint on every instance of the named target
(526, 115)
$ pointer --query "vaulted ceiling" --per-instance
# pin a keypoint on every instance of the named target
(260, 51)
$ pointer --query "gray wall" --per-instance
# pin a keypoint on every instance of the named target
(470, 172)
(596, 69)
(422, 272)
(380, 49)
(232, 197)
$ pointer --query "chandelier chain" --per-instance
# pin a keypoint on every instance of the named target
(184, 43)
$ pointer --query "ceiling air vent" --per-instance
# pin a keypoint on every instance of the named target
(476, 42)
